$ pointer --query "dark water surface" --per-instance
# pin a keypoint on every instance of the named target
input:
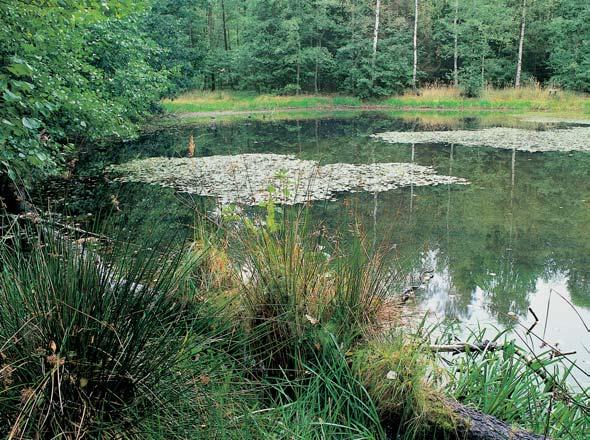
(517, 238)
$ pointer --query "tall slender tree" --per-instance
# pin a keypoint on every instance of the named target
(456, 45)
(376, 30)
(415, 69)
(520, 44)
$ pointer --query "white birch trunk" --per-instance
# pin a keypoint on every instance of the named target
(456, 50)
(376, 32)
(415, 71)
(520, 45)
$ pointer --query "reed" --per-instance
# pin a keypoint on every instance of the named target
(535, 392)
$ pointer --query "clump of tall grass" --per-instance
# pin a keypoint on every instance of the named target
(329, 401)
(89, 347)
(401, 377)
(295, 281)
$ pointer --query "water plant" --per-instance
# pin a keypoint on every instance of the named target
(535, 391)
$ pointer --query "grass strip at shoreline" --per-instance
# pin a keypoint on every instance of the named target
(526, 99)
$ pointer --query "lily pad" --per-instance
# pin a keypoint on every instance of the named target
(255, 178)
(571, 139)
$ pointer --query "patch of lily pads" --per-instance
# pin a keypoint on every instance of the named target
(255, 178)
(569, 139)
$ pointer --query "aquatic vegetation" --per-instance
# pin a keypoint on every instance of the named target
(534, 392)
(254, 178)
(571, 139)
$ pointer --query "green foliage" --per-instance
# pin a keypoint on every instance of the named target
(394, 369)
(294, 287)
(471, 83)
(290, 47)
(531, 391)
(570, 40)
(70, 72)
(176, 25)
(329, 402)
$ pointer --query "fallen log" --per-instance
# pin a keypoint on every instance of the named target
(475, 425)
(465, 347)
(460, 422)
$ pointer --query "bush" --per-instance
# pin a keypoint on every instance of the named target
(470, 83)
(299, 282)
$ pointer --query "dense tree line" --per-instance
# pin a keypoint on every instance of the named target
(73, 71)
(373, 47)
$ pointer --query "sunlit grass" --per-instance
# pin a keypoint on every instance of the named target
(524, 99)
(235, 101)
(529, 98)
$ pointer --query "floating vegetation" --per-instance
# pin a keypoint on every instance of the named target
(254, 178)
(572, 139)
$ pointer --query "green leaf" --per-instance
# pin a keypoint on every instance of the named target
(23, 85)
(11, 97)
(20, 68)
(31, 123)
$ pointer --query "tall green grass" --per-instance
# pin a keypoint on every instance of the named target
(92, 347)
(262, 327)
(298, 281)
(531, 391)
(532, 98)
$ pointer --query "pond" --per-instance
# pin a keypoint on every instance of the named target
(514, 242)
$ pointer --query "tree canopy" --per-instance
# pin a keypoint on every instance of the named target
(74, 71)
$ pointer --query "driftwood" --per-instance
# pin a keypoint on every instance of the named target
(475, 425)
(465, 347)
(485, 346)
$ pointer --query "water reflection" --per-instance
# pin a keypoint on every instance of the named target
(497, 247)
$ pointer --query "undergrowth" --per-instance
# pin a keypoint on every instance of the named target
(259, 327)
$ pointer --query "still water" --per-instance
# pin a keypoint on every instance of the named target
(517, 239)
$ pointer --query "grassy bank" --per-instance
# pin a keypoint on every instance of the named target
(525, 99)
(436, 118)
(256, 328)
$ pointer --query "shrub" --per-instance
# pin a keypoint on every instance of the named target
(471, 83)
(298, 282)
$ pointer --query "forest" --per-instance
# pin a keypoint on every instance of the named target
(77, 71)
(295, 219)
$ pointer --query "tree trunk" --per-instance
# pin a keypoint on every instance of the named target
(376, 32)
(483, 70)
(298, 79)
(415, 70)
(317, 64)
(210, 26)
(455, 50)
(224, 26)
(520, 45)
(479, 426)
